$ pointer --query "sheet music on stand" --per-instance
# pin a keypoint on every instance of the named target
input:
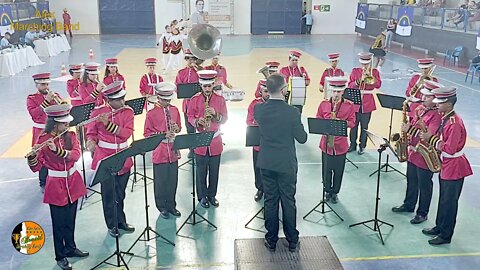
(81, 113)
(335, 127)
(392, 102)
(354, 95)
(379, 141)
(187, 90)
(137, 104)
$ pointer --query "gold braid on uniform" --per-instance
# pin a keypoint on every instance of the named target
(45, 104)
(32, 160)
(94, 93)
(413, 131)
(61, 152)
(112, 128)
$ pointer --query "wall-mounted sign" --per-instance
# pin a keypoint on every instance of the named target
(322, 8)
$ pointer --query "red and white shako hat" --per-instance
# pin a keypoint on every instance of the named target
(206, 76)
(443, 93)
(295, 54)
(428, 86)
(272, 65)
(333, 57)
(41, 77)
(263, 84)
(425, 62)
(365, 57)
(150, 61)
(165, 90)
(92, 68)
(188, 53)
(76, 68)
(337, 83)
(111, 62)
(114, 90)
(59, 112)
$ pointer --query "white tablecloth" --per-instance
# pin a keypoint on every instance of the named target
(52, 46)
(16, 60)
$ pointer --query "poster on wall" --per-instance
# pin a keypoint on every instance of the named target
(215, 12)
(362, 14)
(405, 19)
(6, 20)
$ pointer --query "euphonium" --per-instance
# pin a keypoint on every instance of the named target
(400, 139)
(428, 152)
(331, 138)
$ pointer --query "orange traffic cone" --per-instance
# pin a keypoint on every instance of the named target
(63, 72)
(90, 54)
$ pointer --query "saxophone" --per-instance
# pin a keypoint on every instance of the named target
(331, 138)
(171, 127)
(428, 152)
(400, 139)
(208, 117)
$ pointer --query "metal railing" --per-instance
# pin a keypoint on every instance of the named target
(441, 18)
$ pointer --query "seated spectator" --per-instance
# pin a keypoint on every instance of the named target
(5, 42)
(30, 37)
(476, 60)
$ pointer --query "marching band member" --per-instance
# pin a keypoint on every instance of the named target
(450, 140)
(332, 71)
(419, 177)
(36, 103)
(65, 185)
(416, 83)
(165, 46)
(256, 149)
(74, 83)
(164, 118)
(105, 137)
(293, 70)
(272, 68)
(176, 48)
(111, 72)
(90, 89)
(148, 80)
(207, 111)
(366, 79)
(221, 72)
(186, 75)
(334, 149)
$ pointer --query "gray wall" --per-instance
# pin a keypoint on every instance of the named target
(435, 40)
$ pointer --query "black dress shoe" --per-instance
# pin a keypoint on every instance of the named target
(64, 264)
(204, 203)
(126, 227)
(334, 198)
(352, 148)
(164, 214)
(292, 247)
(361, 151)
(432, 232)
(270, 246)
(418, 219)
(78, 253)
(175, 213)
(438, 241)
(113, 232)
(213, 201)
(327, 196)
(402, 208)
(258, 195)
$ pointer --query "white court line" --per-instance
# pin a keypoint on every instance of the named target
(128, 46)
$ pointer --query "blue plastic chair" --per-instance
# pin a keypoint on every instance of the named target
(473, 68)
(453, 55)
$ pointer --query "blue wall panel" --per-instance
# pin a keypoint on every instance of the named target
(276, 15)
(127, 16)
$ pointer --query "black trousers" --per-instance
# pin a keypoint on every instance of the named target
(448, 206)
(190, 128)
(309, 29)
(207, 165)
(108, 202)
(63, 225)
(165, 185)
(332, 169)
(280, 187)
(363, 119)
(42, 176)
(418, 181)
(256, 170)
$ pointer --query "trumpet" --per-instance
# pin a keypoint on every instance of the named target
(102, 85)
(55, 97)
(421, 80)
(367, 76)
(39, 147)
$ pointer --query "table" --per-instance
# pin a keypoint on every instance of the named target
(13, 61)
(52, 46)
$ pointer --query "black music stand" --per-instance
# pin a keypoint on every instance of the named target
(382, 145)
(80, 114)
(108, 168)
(192, 141)
(137, 104)
(335, 127)
(392, 103)
(186, 91)
(355, 96)
(140, 147)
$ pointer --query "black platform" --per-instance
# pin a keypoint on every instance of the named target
(315, 252)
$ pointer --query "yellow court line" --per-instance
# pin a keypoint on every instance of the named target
(410, 256)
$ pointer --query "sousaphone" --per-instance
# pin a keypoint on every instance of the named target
(205, 41)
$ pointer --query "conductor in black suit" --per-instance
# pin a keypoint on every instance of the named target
(280, 125)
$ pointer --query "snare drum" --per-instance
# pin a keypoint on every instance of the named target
(236, 95)
(226, 95)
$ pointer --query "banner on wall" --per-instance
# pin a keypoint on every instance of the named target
(6, 20)
(405, 19)
(362, 14)
(215, 12)
(478, 39)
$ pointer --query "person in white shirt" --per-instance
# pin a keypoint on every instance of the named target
(308, 21)
(197, 16)
(5, 43)
(30, 37)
